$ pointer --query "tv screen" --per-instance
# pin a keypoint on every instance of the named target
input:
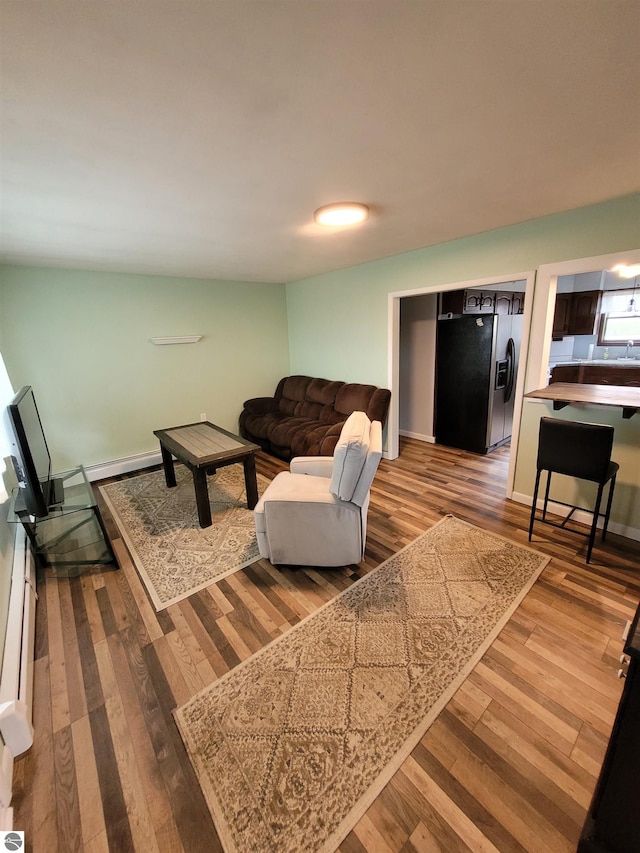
(32, 461)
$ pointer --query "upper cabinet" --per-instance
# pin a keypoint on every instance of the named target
(472, 301)
(517, 303)
(576, 313)
(584, 312)
(478, 301)
(504, 303)
(561, 315)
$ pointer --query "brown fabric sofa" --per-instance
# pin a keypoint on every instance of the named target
(305, 415)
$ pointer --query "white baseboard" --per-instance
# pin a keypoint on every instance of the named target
(123, 466)
(142, 460)
(16, 683)
(430, 439)
(580, 516)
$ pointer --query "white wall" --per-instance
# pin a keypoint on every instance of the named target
(418, 315)
(7, 482)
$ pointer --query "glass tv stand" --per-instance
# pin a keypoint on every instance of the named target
(72, 533)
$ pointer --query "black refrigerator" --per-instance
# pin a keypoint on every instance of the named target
(476, 366)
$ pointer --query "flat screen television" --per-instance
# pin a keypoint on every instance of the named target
(32, 461)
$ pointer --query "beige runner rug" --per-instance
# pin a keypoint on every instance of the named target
(292, 746)
(173, 555)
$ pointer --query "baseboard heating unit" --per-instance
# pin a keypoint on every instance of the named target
(16, 679)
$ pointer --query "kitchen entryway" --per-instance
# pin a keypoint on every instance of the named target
(459, 354)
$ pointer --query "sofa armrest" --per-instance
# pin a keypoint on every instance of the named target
(261, 405)
(317, 466)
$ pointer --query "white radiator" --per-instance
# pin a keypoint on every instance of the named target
(16, 679)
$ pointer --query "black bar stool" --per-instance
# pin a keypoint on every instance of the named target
(578, 450)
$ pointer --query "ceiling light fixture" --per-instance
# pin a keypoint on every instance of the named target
(342, 213)
(627, 270)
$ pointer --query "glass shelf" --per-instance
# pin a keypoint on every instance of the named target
(72, 533)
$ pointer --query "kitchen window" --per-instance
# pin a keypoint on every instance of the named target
(620, 320)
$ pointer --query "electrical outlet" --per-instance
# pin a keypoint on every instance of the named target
(203, 416)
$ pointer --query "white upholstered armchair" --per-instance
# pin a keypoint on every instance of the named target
(315, 514)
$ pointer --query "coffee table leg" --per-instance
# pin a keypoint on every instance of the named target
(202, 497)
(167, 464)
(250, 480)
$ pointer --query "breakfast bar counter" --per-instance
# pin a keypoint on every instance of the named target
(563, 393)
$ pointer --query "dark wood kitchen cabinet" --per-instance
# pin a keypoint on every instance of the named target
(561, 316)
(576, 313)
(478, 301)
(472, 301)
(584, 312)
(613, 820)
(597, 374)
(517, 303)
(565, 373)
(503, 303)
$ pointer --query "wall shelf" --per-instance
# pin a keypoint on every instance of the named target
(179, 339)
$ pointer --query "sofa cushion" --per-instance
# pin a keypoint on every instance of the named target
(350, 455)
(323, 391)
(283, 431)
(311, 441)
(353, 397)
(309, 410)
(295, 388)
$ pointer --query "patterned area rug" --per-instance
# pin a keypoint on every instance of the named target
(174, 556)
(292, 746)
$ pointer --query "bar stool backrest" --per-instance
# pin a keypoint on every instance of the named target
(574, 448)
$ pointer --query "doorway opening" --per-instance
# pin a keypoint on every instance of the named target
(425, 313)
(539, 308)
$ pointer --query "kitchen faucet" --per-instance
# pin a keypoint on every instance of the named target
(629, 345)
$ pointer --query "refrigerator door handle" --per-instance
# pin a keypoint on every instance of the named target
(511, 369)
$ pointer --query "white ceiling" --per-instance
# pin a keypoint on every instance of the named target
(195, 137)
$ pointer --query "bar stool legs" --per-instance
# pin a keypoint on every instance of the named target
(577, 450)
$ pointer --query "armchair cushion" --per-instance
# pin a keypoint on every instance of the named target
(349, 455)
(316, 466)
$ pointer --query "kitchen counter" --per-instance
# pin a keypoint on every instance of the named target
(564, 393)
(623, 372)
(609, 362)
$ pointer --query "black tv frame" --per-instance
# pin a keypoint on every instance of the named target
(28, 432)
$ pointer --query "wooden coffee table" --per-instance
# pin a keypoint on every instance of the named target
(204, 447)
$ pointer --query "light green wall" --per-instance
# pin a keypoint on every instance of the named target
(338, 321)
(81, 339)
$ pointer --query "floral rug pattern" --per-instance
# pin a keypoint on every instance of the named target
(174, 556)
(294, 744)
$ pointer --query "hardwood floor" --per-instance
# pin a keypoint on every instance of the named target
(509, 765)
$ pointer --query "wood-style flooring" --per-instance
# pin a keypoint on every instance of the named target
(509, 765)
